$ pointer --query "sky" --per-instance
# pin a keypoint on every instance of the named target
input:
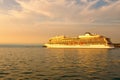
(35, 21)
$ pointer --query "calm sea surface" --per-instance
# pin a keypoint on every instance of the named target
(37, 63)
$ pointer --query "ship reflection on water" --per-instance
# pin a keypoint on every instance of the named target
(86, 63)
(37, 63)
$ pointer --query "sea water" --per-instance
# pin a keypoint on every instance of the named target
(38, 63)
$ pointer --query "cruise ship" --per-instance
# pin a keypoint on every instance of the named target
(87, 40)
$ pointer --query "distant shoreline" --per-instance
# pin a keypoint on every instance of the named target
(117, 45)
(20, 45)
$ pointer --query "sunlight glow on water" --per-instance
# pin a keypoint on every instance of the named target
(36, 63)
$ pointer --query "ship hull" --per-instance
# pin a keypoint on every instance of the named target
(77, 46)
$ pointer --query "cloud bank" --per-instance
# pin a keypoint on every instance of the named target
(34, 21)
(61, 11)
